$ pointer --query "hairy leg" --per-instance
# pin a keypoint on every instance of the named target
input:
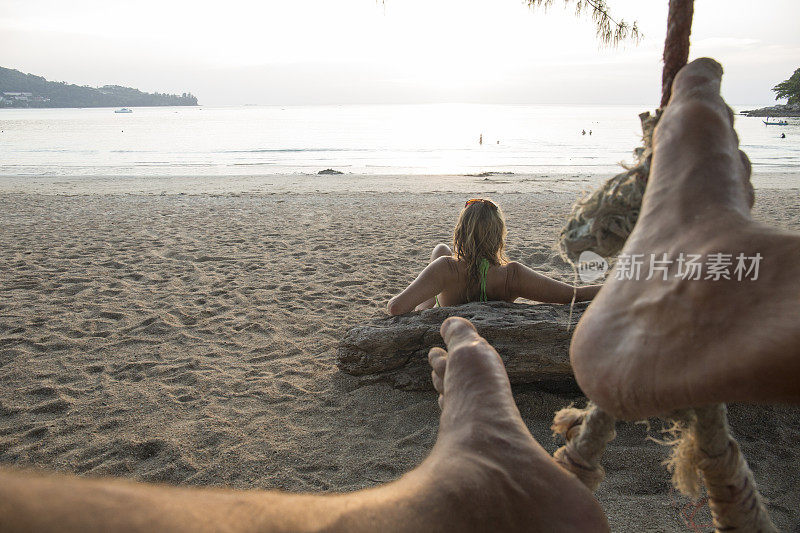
(648, 346)
(440, 250)
(485, 473)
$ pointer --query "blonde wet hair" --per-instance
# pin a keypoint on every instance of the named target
(480, 233)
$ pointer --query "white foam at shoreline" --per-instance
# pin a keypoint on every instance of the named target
(574, 182)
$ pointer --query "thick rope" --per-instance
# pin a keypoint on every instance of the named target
(587, 431)
(706, 451)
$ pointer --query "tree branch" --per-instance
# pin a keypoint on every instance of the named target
(609, 30)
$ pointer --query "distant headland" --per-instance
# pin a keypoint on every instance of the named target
(20, 90)
(788, 110)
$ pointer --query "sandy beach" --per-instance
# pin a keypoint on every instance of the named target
(190, 339)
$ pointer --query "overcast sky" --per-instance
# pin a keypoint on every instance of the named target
(403, 51)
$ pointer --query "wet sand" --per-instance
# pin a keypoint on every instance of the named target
(190, 339)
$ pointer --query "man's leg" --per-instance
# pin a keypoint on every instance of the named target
(485, 473)
(648, 346)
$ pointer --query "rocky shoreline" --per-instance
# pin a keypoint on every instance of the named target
(788, 110)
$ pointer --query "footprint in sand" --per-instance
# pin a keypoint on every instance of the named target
(36, 433)
(346, 283)
(54, 407)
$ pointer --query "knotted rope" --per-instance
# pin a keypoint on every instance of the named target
(587, 431)
(705, 451)
(602, 221)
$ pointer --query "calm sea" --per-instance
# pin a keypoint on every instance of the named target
(441, 139)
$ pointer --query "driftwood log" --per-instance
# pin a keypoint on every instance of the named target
(533, 341)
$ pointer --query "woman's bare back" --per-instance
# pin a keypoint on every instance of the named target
(446, 280)
(458, 289)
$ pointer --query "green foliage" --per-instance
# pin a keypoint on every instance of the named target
(60, 94)
(609, 30)
(789, 88)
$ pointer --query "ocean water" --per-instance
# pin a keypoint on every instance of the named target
(389, 140)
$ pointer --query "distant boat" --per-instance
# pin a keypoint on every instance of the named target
(124, 110)
(779, 123)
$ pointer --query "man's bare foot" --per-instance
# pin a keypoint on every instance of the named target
(648, 346)
(499, 477)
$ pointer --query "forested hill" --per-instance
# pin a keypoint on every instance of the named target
(26, 90)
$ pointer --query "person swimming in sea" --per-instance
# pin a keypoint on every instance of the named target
(476, 269)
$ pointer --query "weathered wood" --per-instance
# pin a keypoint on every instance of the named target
(676, 44)
(533, 341)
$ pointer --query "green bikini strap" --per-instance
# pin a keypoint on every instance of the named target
(483, 269)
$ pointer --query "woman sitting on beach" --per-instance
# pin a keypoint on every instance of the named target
(479, 270)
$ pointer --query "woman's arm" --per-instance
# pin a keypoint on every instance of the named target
(428, 284)
(527, 283)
